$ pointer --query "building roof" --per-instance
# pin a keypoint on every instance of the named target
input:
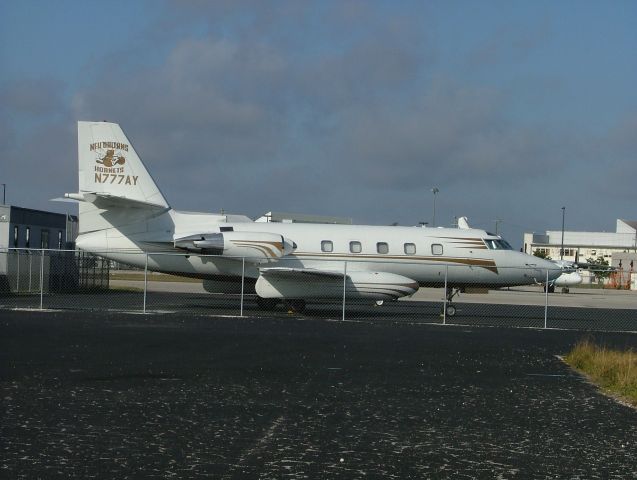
(625, 236)
(631, 223)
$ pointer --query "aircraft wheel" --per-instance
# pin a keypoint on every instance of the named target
(565, 290)
(295, 306)
(267, 303)
(552, 289)
(451, 310)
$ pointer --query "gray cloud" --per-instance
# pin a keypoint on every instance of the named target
(510, 44)
(32, 96)
(40, 166)
(337, 109)
(238, 123)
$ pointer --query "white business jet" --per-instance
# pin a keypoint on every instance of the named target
(569, 277)
(123, 216)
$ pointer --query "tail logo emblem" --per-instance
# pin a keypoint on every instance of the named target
(110, 160)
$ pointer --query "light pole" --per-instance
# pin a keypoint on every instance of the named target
(434, 191)
(562, 249)
(497, 223)
(4, 194)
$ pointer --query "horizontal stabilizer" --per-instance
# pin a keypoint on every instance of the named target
(105, 201)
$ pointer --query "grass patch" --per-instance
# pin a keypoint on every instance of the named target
(615, 371)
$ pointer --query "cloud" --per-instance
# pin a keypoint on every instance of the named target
(450, 134)
(32, 96)
(615, 158)
(41, 166)
(240, 122)
(343, 108)
(510, 44)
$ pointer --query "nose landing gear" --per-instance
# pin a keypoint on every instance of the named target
(450, 310)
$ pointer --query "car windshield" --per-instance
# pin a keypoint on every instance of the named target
(497, 244)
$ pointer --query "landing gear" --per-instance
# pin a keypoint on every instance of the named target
(292, 305)
(268, 304)
(295, 306)
(565, 290)
(551, 288)
(450, 309)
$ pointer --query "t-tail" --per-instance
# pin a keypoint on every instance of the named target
(115, 188)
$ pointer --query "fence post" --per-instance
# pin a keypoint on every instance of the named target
(243, 276)
(546, 298)
(145, 281)
(344, 285)
(17, 283)
(444, 305)
(41, 278)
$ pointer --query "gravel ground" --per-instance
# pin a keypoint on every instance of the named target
(90, 395)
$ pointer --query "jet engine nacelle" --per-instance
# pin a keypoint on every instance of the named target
(253, 246)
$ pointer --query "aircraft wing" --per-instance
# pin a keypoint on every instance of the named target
(300, 273)
(303, 283)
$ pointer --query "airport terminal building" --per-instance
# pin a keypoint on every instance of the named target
(579, 246)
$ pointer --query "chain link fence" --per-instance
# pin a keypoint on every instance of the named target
(75, 280)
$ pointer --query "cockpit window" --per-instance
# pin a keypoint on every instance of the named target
(497, 244)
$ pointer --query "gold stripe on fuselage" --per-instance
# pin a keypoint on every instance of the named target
(477, 262)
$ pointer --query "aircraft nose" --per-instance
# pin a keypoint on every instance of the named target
(554, 270)
(537, 268)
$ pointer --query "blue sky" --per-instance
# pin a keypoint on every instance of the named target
(354, 108)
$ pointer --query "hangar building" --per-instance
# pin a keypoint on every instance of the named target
(36, 253)
(578, 246)
(28, 228)
(618, 248)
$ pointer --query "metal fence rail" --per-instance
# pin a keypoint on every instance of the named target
(74, 280)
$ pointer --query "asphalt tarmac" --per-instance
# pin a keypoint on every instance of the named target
(470, 310)
(112, 395)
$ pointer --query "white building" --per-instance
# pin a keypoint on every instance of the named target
(579, 246)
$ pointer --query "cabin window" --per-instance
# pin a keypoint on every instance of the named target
(382, 247)
(497, 244)
(16, 231)
(327, 246)
(436, 249)
(410, 248)
(355, 247)
(44, 239)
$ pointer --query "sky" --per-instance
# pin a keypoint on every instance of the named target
(511, 109)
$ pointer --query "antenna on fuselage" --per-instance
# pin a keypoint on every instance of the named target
(463, 223)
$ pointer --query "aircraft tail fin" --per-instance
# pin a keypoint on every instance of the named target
(109, 164)
(112, 179)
